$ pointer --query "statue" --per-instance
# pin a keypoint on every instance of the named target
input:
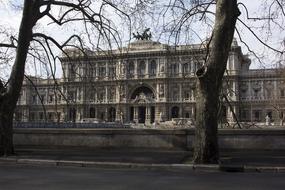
(121, 117)
(267, 120)
(146, 35)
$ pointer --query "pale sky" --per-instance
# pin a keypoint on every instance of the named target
(10, 19)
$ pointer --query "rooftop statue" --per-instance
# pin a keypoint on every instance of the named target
(146, 35)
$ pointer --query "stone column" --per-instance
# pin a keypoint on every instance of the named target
(192, 95)
(262, 90)
(136, 114)
(117, 92)
(157, 92)
(275, 92)
(107, 71)
(96, 75)
(106, 91)
(118, 114)
(180, 69)
(146, 69)
(147, 115)
(136, 69)
(249, 90)
(193, 112)
(180, 92)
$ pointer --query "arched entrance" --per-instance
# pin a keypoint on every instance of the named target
(92, 112)
(142, 114)
(175, 112)
(142, 109)
(112, 114)
(72, 114)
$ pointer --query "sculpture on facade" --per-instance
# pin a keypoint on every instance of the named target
(267, 120)
(146, 35)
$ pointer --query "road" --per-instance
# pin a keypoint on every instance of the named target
(27, 177)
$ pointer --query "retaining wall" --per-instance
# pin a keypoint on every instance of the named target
(257, 139)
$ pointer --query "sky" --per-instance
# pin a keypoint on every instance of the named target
(10, 19)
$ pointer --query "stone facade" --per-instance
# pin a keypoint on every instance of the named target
(147, 82)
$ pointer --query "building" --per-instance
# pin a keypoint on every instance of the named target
(147, 82)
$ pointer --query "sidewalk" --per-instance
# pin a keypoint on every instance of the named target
(232, 161)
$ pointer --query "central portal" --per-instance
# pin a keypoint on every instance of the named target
(142, 108)
(141, 114)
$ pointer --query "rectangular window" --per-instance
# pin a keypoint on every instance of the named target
(102, 71)
(112, 72)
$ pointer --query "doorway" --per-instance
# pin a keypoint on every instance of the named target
(141, 114)
(152, 114)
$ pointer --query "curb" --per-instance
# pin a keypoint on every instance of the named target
(189, 167)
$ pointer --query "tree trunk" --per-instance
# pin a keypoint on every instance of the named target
(6, 138)
(209, 83)
(9, 96)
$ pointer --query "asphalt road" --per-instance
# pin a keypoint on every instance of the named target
(27, 177)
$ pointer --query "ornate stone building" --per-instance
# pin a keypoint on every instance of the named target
(147, 82)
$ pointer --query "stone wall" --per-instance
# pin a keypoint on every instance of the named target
(146, 138)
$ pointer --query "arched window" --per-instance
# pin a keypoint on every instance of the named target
(131, 69)
(186, 68)
(187, 115)
(112, 114)
(175, 112)
(174, 68)
(141, 68)
(72, 114)
(92, 112)
(153, 68)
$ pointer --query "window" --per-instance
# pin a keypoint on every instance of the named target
(175, 94)
(173, 69)
(92, 72)
(102, 71)
(92, 112)
(256, 93)
(174, 112)
(187, 95)
(244, 114)
(186, 68)
(141, 68)
(72, 95)
(131, 68)
(112, 72)
(187, 115)
(153, 67)
(32, 116)
(50, 116)
(257, 114)
(72, 72)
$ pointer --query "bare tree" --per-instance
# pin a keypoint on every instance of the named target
(29, 41)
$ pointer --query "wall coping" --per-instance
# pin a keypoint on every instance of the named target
(122, 131)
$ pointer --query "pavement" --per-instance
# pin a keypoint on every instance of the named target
(230, 161)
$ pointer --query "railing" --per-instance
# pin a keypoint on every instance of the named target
(69, 125)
